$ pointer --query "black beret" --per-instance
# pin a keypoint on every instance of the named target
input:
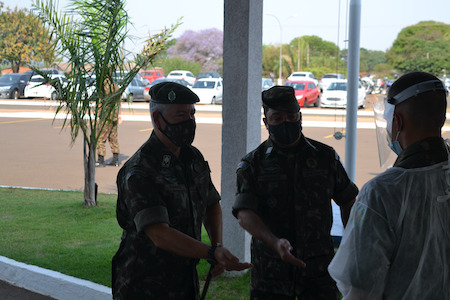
(172, 93)
(281, 98)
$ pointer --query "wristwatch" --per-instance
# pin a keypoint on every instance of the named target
(211, 258)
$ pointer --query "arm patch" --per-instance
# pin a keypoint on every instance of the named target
(244, 165)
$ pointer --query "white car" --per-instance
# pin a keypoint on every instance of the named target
(327, 79)
(335, 95)
(35, 88)
(209, 90)
(301, 76)
(182, 74)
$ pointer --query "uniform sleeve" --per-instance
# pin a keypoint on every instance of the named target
(345, 190)
(142, 200)
(362, 261)
(245, 194)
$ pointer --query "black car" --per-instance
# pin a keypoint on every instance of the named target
(13, 84)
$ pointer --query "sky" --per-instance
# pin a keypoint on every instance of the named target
(381, 20)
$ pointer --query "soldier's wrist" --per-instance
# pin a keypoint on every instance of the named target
(211, 257)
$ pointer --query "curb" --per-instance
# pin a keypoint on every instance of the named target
(50, 283)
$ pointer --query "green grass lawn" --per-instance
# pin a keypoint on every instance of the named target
(52, 230)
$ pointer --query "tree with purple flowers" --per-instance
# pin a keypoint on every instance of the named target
(204, 47)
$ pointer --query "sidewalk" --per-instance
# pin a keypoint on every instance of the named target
(10, 292)
(22, 281)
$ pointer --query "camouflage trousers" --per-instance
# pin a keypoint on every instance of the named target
(110, 133)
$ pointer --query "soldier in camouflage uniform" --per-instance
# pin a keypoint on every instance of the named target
(284, 192)
(165, 194)
(109, 132)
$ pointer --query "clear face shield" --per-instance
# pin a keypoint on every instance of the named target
(384, 116)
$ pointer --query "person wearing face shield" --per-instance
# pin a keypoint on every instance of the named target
(283, 199)
(165, 195)
(397, 241)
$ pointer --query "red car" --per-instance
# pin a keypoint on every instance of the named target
(151, 75)
(306, 92)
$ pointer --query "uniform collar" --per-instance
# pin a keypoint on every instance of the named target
(273, 147)
(160, 151)
(423, 153)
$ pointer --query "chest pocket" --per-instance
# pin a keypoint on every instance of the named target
(319, 186)
(273, 191)
(177, 203)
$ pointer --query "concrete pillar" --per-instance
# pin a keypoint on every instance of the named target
(241, 111)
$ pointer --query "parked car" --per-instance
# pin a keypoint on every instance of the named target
(159, 80)
(446, 82)
(135, 90)
(36, 87)
(151, 75)
(368, 84)
(182, 74)
(12, 85)
(335, 95)
(209, 90)
(327, 78)
(207, 75)
(296, 76)
(306, 92)
(266, 84)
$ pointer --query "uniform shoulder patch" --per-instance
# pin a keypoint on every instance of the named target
(337, 156)
(243, 165)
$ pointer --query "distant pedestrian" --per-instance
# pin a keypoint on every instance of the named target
(109, 131)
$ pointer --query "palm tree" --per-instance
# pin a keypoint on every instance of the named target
(90, 36)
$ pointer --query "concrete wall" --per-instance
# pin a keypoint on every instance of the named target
(241, 129)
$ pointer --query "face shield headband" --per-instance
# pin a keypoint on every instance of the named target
(414, 90)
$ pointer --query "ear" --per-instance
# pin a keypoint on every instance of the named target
(398, 119)
(265, 123)
(156, 118)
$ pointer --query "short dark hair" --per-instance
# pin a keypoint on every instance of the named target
(427, 110)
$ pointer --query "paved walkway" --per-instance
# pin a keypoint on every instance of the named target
(10, 292)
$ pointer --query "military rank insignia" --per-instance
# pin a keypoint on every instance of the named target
(166, 161)
(172, 96)
(311, 163)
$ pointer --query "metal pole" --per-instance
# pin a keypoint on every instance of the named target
(281, 47)
(352, 88)
(298, 56)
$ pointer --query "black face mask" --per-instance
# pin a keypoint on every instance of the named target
(286, 133)
(180, 134)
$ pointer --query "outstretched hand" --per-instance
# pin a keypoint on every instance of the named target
(227, 261)
(284, 249)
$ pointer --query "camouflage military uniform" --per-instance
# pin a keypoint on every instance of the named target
(154, 186)
(291, 191)
(109, 131)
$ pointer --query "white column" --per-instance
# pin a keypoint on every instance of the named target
(241, 111)
(352, 88)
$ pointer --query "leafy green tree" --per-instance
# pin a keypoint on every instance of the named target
(270, 60)
(90, 35)
(368, 59)
(23, 38)
(421, 47)
(306, 53)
